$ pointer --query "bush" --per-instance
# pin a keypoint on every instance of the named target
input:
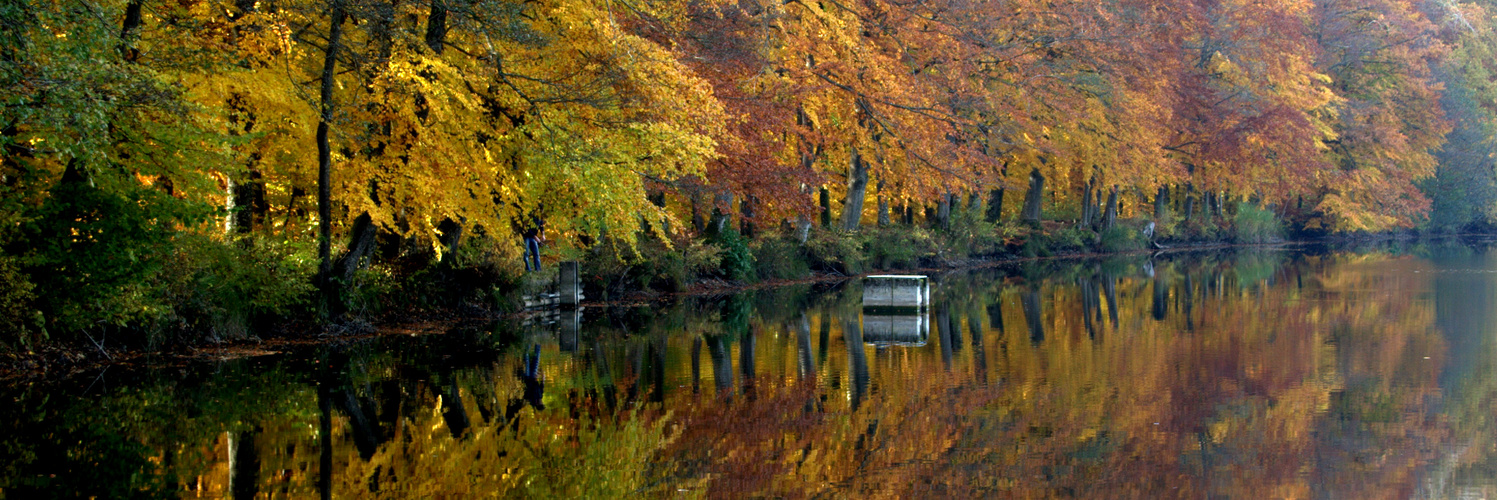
(1120, 239)
(893, 248)
(780, 259)
(737, 260)
(96, 256)
(19, 320)
(970, 235)
(1253, 224)
(1070, 238)
(834, 251)
(221, 287)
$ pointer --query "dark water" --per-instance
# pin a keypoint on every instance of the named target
(1265, 374)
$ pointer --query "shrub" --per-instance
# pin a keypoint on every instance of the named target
(737, 260)
(779, 258)
(902, 247)
(971, 235)
(837, 252)
(19, 320)
(1120, 238)
(1253, 224)
(1070, 238)
(221, 287)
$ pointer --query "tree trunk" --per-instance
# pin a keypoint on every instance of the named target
(1162, 203)
(883, 205)
(249, 196)
(943, 211)
(452, 235)
(128, 30)
(995, 205)
(325, 150)
(746, 217)
(436, 26)
(721, 219)
(1211, 208)
(1190, 203)
(1034, 198)
(1110, 217)
(1088, 210)
(230, 202)
(857, 192)
(698, 221)
(360, 246)
(826, 207)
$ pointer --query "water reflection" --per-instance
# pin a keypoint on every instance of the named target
(1360, 374)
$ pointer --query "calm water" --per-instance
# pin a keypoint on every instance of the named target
(1264, 374)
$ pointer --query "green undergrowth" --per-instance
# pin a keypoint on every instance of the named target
(192, 289)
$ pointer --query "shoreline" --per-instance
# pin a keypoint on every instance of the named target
(57, 362)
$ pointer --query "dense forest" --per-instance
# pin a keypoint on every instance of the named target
(197, 165)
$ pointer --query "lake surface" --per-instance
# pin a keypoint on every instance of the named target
(1291, 373)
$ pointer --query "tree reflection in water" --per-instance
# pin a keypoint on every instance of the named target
(1270, 374)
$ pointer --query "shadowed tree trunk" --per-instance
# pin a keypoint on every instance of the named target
(325, 153)
(857, 192)
(452, 236)
(1110, 217)
(825, 200)
(995, 205)
(436, 26)
(128, 30)
(746, 219)
(721, 212)
(883, 205)
(698, 221)
(943, 211)
(1190, 202)
(1088, 210)
(1034, 198)
(1162, 203)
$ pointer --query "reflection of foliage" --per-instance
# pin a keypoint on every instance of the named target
(1203, 385)
(736, 311)
(1253, 267)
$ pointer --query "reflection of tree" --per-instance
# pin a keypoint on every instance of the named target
(1310, 380)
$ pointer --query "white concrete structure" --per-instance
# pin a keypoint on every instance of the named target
(896, 290)
(567, 285)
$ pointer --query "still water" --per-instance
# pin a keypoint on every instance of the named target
(1301, 373)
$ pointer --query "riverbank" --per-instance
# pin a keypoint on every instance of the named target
(659, 274)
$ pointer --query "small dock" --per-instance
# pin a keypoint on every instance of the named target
(896, 291)
(895, 309)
